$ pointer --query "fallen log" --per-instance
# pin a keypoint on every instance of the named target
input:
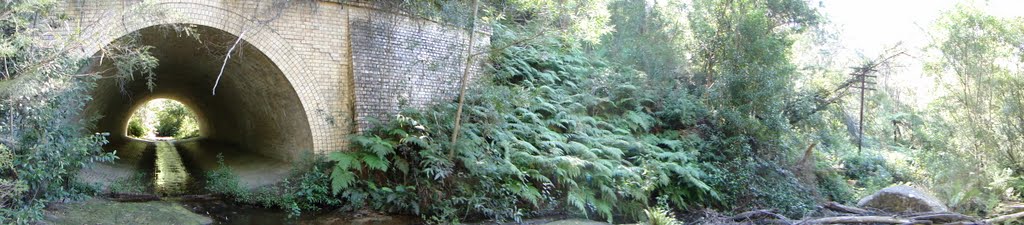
(1013, 208)
(856, 215)
(757, 214)
(133, 197)
(846, 209)
(944, 217)
(966, 223)
(860, 220)
(772, 222)
(1004, 218)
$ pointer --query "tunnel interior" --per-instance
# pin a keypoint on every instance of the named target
(255, 109)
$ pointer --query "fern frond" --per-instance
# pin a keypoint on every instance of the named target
(341, 179)
(376, 163)
(343, 160)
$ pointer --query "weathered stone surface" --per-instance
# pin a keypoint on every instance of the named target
(901, 199)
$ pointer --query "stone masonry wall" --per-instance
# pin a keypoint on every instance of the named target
(399, 61)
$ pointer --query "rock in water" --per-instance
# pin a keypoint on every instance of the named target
(902, 199)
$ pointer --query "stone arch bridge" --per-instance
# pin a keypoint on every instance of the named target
(303, 76)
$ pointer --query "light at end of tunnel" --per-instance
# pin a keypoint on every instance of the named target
(162, 119)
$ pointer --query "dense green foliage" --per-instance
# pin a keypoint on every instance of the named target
(976, 125)
(557, 130)
(558, 126)
(660, 216)
(610, 110)
(163, 118)
(43, 140)
(720, 92)
(136, 128)
(174, 120)
(306, 189)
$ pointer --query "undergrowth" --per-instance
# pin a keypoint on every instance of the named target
(306, 189)
(555, 130)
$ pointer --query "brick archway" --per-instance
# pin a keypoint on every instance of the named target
(107, 25)
(347, 61)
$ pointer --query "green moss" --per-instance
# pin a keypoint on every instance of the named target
(97, 211)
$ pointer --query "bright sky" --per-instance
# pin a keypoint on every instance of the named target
(868, 27)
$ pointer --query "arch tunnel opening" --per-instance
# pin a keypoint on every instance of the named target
(255, 120)
(163, 119)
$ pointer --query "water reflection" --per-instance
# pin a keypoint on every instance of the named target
(171, 177)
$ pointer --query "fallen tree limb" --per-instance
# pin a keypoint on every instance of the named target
(856, 215)
(758, 214)
(965, 223)
(773, 222)
(858, 220)
(1004, 218)
(1014, 208)
(944, 217)
(846, 209)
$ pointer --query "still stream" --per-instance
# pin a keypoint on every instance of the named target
(176, 168)
(171, 177)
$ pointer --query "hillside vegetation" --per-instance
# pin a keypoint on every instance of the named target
(618, 111)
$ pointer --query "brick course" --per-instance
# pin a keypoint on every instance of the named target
(347, 62)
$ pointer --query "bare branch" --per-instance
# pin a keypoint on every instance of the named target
(858, 220)
(226, 58)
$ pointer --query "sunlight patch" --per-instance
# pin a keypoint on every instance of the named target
(163, 119)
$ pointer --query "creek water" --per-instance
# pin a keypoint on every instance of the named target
(177, 168)
(170, 177)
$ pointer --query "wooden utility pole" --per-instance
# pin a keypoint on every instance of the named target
(860, 75)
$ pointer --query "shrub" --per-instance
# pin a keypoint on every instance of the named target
(867, 166)
(758, 184)
(660, 216)
(171, 117)
(310, 190)
(188, 127)
(136, 128)
(48, 142)
(833, 186)
(11, 190)
(42, 96)
(872, 172)
(223, 180)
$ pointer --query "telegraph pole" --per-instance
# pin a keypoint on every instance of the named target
(861, 75)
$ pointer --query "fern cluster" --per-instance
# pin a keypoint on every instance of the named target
(555, 129)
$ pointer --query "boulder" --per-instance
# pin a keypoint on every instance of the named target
(902, 199)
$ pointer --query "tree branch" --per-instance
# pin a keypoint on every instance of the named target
(225, 64)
